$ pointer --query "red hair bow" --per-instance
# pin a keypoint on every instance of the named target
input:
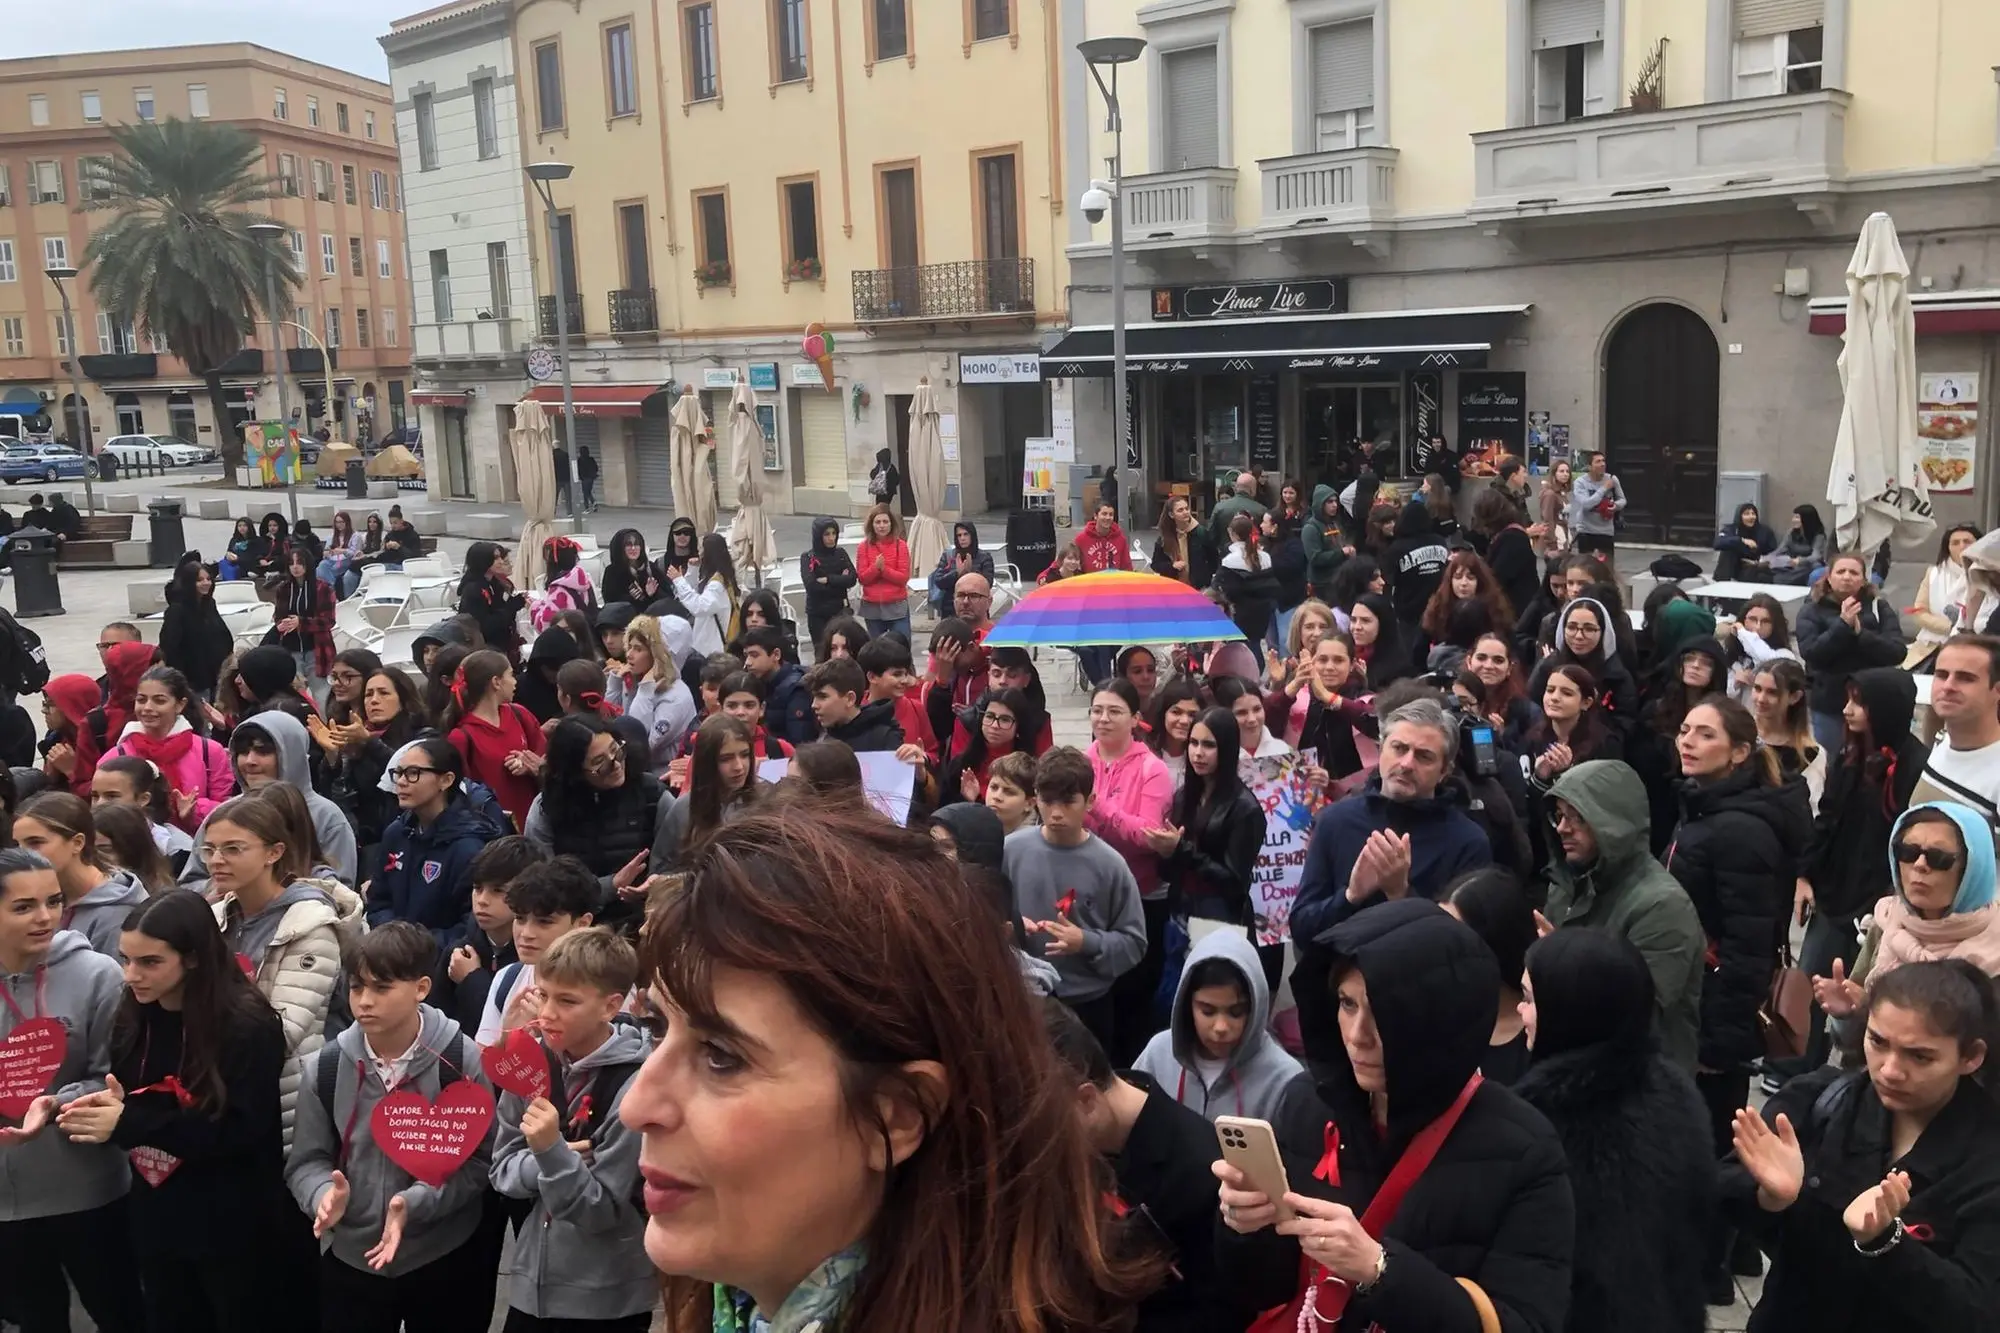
(458, 687)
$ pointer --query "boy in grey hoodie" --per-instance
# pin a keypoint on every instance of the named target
(1217, 1056)
(271, 747)
(394, 1248)
(62, 1204)
(580, 1255)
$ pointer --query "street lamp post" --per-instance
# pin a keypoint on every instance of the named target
(1101, 54)
(273, 232)
(80, 418)
(543, 175)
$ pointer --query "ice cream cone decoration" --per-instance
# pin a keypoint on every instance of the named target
(818, 347)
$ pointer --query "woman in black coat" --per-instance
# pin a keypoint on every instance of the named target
(486, 592)
(1844, 627)
(1418, 992)
(1586, 636)
(629, 573)
(1877, 1193)
(828, 575)
(1747, 541)
(1633, 1128)
(193, 636)
(1208, 851)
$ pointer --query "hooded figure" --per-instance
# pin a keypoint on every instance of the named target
(1494, 1205)
(330, 823)
(1675, 625)
(76, 696)
(99, 915)
(1324, 541)
(1635, 1134)
(963, 556)
(535, 688)
(124, 663)
(461, 630)
(1625, 892)
(1415, 565)
(976, 831)
(828, 575)
(1251, 1079)
(1742, 544)
(269, 673)
(683, 551)
(628, 580)
(1970, 930)
(1617, 691)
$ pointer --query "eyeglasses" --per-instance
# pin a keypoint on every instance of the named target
(344, 677)
(230, 850)
(410, 774)
(611, 763)
(972, 597)
(1937, 858)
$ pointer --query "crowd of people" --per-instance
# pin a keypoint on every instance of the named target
(627, 920)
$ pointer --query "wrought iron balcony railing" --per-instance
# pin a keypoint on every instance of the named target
(633, 310)
(548, 316)
(964, 289)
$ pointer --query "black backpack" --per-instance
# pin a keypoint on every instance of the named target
(24, 665)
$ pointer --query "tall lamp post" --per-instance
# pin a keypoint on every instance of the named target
(272, 233)
(1104, 54)
(80, 414)
(544, 175)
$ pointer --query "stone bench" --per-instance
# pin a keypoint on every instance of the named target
(131, 555)
(426, 520)
(211, 506)
(148, 598)
(384, 490)
(319, 513)
(486, 527)
(122, 502)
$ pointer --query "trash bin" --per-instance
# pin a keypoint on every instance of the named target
(107, 467)
(32, 553)
(357, 479)
(1031, 540)
(169, 538)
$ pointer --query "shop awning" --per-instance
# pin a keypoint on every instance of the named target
(597, 400)
(1385, 340)
(437, 398)
(1938, 313)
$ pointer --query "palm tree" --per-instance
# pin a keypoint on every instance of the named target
(179, 260)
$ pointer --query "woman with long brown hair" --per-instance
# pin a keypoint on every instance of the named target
(842, 1052)
(722, 784)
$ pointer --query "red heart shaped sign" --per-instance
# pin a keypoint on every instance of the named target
(430, 1140)
(517, 1064)
(154, 1165)
(29, 1058)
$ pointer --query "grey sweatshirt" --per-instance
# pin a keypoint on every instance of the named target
(251, 936)
(99, 916)
(48, 1176)
(1584, 497)
(1257, 1071)
(581, 1253)
(438, 1220)
(1106, 906)
(332, 825)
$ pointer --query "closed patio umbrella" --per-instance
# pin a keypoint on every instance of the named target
(752, 544)
(1877, 484)
(693, 479)
(928, 537)
(533, 444)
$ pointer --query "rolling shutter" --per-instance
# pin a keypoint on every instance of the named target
(1194, 118)
(1554, 23)
(652, 461)
(1343, 57)
(1767, 18)
(822, 441)
(586, 434)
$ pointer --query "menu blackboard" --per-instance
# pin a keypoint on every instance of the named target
(1264, 424)
(1492, 410)
(1426, 407)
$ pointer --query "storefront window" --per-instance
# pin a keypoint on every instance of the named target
(1226, 442)
(1180, 428)
(1336, 418)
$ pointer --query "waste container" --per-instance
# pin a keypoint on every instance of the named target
(169, 537)
(107, 467)
(357, 479)
(1031, 540)
(32, 553)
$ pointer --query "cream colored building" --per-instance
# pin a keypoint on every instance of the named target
(891, 169)
(329, 137)
(1615, 224)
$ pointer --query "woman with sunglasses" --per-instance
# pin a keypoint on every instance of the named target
(599, 802)
(427, 851)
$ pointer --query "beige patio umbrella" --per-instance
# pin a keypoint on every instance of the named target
(752, 543)
(533, 444)
(693, 477)
(1877, 483)
(928, 535)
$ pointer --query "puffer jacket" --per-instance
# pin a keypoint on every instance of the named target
(298, 972)
(1833, 652)
(1737, 852)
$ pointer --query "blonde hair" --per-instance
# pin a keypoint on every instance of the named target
(593, 957)
(1311, 606)
(647, 628)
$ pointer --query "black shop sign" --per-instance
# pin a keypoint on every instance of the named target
(1492, 410)
(1264, 423)
(1252, 300)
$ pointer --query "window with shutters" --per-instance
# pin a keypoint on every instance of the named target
(378, 189)
(93, 108)
(93, 178)
(499, 287)
(142, 103)
(1566, 39)
(299, 251)
(8, 273)
(389, 331)
(362, 328)
(698, 54)
(340, 116)
(382, 264)
(621, 76)
(280, 109)
(6, 187)
(48, 177)
(356, 265)
(333, 326)
(1779, 47)
(349, 188)
(1193, 116)
(38, 109)
(788, 41)
(322, 174)
(549, 87)
(441, 285)
(1343, 72)
(288, 174)
(485, 121)
(55, 252)
(15, 335)
(312, 111)
(368, 123)
(424, 109)
(328, 264)
(198, 101)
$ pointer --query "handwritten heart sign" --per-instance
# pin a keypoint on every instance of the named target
(154, 1165)
(29, 1058)
(431, 1140)
(517, 1064)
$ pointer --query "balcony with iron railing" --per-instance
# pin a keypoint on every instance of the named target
(1189, 205)
(962, 290)
(633, 310)
(574, 314)
(1346, 189)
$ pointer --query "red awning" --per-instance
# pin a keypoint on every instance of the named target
(598, 400)
(434, 398)
(1938, 314)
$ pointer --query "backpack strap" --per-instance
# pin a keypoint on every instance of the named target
(326, 1073)
(604, 1090)
(503, 987)
(100, 728)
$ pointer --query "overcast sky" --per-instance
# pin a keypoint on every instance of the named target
(342, 34)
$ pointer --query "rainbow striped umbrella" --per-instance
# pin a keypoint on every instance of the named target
(1115, 607)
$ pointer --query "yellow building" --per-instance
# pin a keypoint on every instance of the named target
(1535, 224)
(329, 136)
(744, 168)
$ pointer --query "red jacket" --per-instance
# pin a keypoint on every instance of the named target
(892, 585)
(916, 723)
(486, 748)
(1101, 553)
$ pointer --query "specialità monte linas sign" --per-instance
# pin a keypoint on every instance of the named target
(1311, 296)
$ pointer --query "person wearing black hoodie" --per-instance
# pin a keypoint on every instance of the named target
(683, 551)
(1418, 995)
(1415, 565)
(535, 687)
(193, 636)
(1747, 541)
(962, 558)
(486, 592)
(629, 575)
(453, 629)
(828, 573)
(1633, 1129)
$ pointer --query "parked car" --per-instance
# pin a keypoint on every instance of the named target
(41, 462)
(172, 450)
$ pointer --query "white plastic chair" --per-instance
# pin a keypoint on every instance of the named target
(385, 604)
(425, 567)
(236, 592)
(249, 628)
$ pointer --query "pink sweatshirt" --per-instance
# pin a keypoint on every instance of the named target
(1132, 794)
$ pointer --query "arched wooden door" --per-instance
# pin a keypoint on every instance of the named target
(1662, 402)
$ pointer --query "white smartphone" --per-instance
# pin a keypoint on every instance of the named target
(1251, 1147)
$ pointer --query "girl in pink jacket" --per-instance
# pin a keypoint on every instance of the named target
(196, 769)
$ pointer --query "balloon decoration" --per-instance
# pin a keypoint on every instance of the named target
(818, 348)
